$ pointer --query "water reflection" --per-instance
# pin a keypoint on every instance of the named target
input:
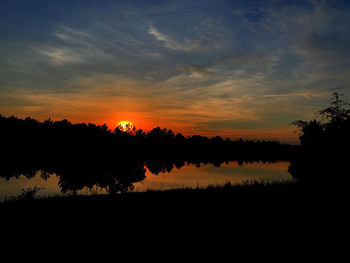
(204, 174)
(91, 177)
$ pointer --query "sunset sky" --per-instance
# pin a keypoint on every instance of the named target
(229, 68)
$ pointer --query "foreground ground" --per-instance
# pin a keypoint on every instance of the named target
(253, 198)
(260, 214)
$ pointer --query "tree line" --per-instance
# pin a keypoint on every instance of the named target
(63, 138)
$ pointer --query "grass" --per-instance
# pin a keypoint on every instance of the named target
(249, 189)
(251, 197)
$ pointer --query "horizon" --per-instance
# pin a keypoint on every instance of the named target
(111, 129)
(235, 69)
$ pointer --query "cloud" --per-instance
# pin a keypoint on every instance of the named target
(241, 124)
(189, 45)
(72, 36)
(306, 94)
(198, 70)
(204, 42)
(326, 49)
(76, 46)
(61, 56)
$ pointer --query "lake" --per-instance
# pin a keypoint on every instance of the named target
(155, 177)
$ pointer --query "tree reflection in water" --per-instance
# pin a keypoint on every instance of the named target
(115, 178)
(111, 176)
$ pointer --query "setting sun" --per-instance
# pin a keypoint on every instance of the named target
(126, 126)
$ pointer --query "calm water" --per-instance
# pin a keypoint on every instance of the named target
(187, 176)
(192, 176)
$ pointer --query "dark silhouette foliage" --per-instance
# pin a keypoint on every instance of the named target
(30, 193)
(325, 141)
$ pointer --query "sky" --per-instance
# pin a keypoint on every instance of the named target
(231, 68)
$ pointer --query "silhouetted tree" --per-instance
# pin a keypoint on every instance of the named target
(324, 142)
(157, 133)
(180, 138)
(337, 111)
(140, 133)
(333, 126)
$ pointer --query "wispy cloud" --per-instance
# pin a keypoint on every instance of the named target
(78, 47)
(305, 94)
(198, 70)
(189, 45)
(61, 56)
(72, 36)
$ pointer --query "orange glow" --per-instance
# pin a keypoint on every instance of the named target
(144, 113)
(126, 125)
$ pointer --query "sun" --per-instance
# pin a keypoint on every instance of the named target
(126, 126)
